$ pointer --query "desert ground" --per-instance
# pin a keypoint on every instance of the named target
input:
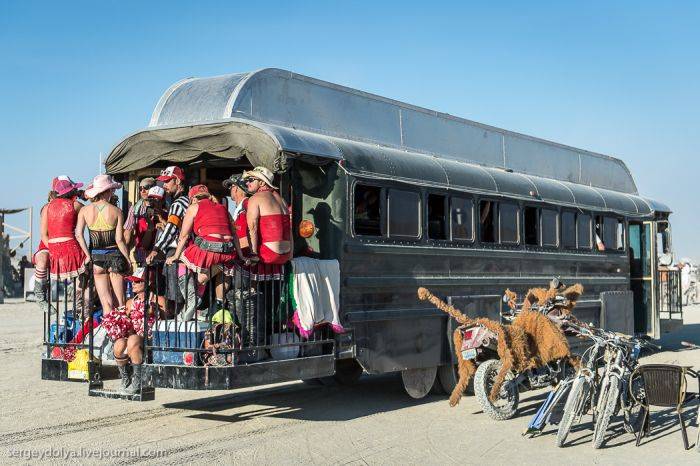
(373, 422)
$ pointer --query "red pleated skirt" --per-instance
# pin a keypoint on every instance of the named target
(67, 260)
(198, 260)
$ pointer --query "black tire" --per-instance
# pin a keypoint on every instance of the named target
(574, 404)
(312, 382)
(507, 404)
(609, 402)
(633, 413)
(347, 371)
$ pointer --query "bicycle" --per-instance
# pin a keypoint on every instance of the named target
(621, 357)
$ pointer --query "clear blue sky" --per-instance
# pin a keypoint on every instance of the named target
(619, 79)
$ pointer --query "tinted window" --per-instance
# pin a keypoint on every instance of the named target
(613, 237)
(462, 223)
(568, 229)
(531, 226)
(437, 217)
(404, 213)
(549, 227)
(367, 214)
(584, 231)
(488, 217)
(510, 224)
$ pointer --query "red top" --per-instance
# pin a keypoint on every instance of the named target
(241, 221)
(140, 228)
(62, 218)
(211, 219)
(275, 227)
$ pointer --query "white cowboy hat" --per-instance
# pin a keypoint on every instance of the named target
(262, 174)
(100, 184)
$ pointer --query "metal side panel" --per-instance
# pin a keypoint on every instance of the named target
(54, 369)
(230, 377)
(618, 311)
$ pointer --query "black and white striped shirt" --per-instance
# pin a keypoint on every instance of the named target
(167, 237)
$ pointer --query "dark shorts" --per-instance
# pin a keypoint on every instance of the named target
(110, 261)
(172, 289)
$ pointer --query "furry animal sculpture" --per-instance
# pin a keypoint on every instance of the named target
(530, 341)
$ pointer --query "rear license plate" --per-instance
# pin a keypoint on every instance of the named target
(469, 354)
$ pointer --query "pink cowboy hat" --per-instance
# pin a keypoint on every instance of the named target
(63, 184)
(100, 184)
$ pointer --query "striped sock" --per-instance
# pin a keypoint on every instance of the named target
(40, 275)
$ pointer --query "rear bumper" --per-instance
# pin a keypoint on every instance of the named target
(230, 377)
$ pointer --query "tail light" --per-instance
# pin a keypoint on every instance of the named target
(306, 228)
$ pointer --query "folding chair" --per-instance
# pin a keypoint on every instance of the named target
(665, 386)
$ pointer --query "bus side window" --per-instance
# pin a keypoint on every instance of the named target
(437, 216)
(549, 226)
(509, 223)
(620, 235)
(462, 219)
(568, 229)
(404, 213)
(583, 228)
(613, 237)
(531, 222)
(488, 216)
(367, 215)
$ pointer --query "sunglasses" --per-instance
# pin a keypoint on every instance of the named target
(250, 180)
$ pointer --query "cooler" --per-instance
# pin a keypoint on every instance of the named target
(185, 335)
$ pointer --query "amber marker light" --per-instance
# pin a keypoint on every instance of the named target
(306, 228)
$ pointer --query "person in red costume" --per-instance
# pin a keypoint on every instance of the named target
(58, 222)
(41, 260)
(239, 195)
(269, 223)
(215, 246)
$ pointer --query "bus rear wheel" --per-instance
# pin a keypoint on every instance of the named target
(418, 382)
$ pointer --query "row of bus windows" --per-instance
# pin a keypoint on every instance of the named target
(451, 218)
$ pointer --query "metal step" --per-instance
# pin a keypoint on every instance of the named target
(146, 393)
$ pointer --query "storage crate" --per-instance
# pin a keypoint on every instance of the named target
(185, 335)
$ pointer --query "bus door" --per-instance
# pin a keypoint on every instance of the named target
(642, 277)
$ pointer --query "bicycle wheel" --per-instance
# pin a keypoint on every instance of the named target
(574, 407)
(610, 395)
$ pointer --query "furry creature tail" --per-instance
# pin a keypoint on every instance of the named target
(425, 295)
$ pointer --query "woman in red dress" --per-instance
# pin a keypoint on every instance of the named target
(40, 259)
(215, 247)
(58, 222)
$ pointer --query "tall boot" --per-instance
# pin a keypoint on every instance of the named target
(40, 295)
(190, 294)
(135, 386)
(125, 375)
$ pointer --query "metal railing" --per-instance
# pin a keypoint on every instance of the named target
(72, 318)
(252, 321)
(669, 294)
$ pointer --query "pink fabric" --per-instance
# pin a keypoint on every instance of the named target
(306, 333)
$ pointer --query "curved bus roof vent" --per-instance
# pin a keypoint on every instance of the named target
(291, 100)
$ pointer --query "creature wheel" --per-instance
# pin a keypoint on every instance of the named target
(418, 382)
(507, 403)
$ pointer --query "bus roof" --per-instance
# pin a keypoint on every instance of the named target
(286, 99)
